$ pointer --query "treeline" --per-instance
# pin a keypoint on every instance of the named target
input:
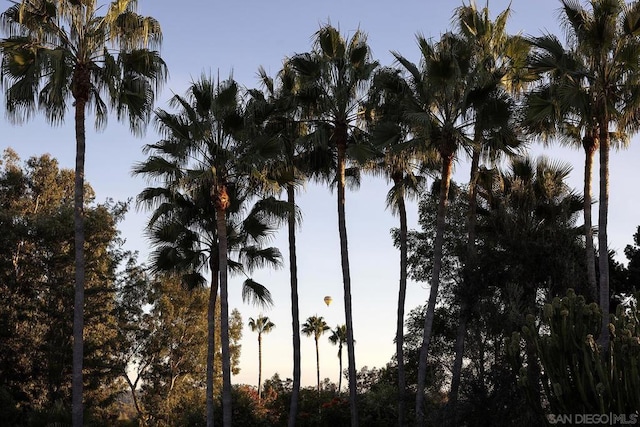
(524, 307)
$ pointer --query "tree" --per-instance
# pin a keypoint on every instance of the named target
(295, 160)
(339, 337)
(561, 107)
(606, 36)
(175, 350)
(402, 163)
(333, 80)
(64, 50)
(199, 221)
(498, 60)
(439, 108)
(261, 325)
(36, 261)
(632, 253)
(316, 326)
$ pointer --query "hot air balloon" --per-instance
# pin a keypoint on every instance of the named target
(327, 300)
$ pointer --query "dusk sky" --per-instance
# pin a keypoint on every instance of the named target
(237, 37)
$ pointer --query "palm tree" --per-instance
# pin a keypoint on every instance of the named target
(261, 325)
(339, 337)
(439, 109)
(316, 326)
(333, 80)
(207, 172)
(497, 58)
(294, 161)
(606, 38)
(561, 108)
(401, 163)
(62, 51)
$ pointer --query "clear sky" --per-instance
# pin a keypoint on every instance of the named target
(239, 36)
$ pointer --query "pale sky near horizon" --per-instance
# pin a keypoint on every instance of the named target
(237, 37)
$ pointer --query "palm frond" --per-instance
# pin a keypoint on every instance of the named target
(256, 294)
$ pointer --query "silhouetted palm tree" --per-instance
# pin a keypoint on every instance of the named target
(261, 325)
(333, 81)
(316, 326)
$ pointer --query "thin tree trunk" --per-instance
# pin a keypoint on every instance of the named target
(447, 163)
(317, 363)
(589, 150)
(603, 255)
(402, 295)
(346, 278)
(259, 366)
(295, 315)
(133, 385)
(211, 339)
(222, 203)
(78, 305)
(340, 366)
(457, 363)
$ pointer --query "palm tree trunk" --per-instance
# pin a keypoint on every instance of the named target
(447, 162)
(222, 203)
(259, 366)
(317, 363)
(211, 338)
(295, 315)
(589, 150)
(603, 254)
(78, 304)
(402, 295)
(346, 278)
(340, 366)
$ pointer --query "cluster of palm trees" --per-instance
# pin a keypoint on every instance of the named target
(227, 153)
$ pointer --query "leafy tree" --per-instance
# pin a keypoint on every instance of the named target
(57, 51)
(36, 215)
(333, 81)
(260, 325)
(632, 253)
(174, 350)
(316, 326)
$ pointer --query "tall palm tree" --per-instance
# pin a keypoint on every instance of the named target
(207, 169)
(401, 163)
(497, 58)
(64, 50)
(439, 110)
(561, 107)
(291, 166)
(261, 325)
(333, 78)
(606, 38)
(316, 326)
(339, 337)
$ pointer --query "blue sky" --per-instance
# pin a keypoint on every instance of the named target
(236, 37)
